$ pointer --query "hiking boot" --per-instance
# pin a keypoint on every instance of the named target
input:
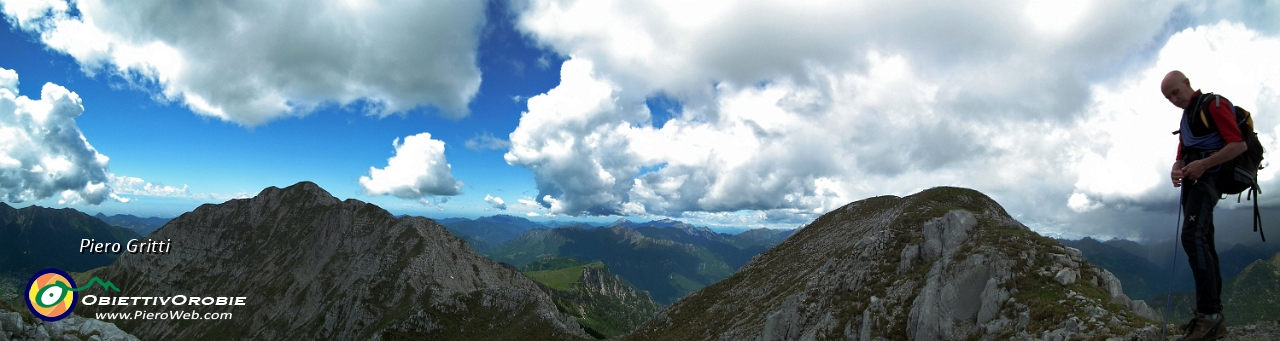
(1186, 327)
(1205, 327)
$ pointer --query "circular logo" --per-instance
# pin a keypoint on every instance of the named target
(50, 296)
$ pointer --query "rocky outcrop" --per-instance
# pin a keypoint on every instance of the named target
(604, 304)
(74, 327)
(314, 267)
(943, 264)
(602, 282)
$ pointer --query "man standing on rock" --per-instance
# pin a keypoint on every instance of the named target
(1208, 137)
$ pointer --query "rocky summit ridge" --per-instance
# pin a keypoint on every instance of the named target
(315, 267)
(942, 264)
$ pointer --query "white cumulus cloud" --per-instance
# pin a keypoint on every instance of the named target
(496, 202)
(792, 108)
(42, 151)
(44, 154)
(418, 170)
(253, 61)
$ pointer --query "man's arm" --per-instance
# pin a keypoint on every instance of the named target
(1196, 168)
(1225, 118)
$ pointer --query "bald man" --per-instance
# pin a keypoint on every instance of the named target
(1208, 137)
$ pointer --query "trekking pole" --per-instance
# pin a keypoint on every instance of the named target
(1173, 269)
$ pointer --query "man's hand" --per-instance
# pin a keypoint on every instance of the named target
(1194, 170)
(1176, 174)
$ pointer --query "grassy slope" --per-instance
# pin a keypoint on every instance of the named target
(562, 279)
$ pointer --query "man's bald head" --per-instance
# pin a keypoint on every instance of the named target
(1177, 89)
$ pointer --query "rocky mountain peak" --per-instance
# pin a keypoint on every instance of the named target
(304, 193)
(694, 230)
(314, 267)
(946, 263)
(627, 234)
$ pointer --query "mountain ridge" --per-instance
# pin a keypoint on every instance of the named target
(313, 266)
(1145, 269)
(945, 263)
(139, 225)
(40, 237)
(484, 233)
(666, 269)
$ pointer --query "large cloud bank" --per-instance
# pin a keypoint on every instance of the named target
(795, 108)
(249, 62)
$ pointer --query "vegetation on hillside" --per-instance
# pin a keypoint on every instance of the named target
(605, 306)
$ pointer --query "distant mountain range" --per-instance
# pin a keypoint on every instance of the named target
(141, 226)
(485, 233)
(1142, 279)
(1145, 269)
(734, 250)
(1250, 297)
(667, 269)
(37, 237)
(667, 258)
(1249, 274)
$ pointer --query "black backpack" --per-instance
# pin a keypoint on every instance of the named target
(1242, 177)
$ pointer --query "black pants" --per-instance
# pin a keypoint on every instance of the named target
(1198, 200)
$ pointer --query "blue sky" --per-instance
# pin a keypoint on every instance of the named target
(165, 143)
(732, 113)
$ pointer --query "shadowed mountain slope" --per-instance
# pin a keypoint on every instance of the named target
(35, 238)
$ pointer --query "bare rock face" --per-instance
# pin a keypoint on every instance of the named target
(599, 281)
(943, 264)
(935, 311)
(314, 267)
